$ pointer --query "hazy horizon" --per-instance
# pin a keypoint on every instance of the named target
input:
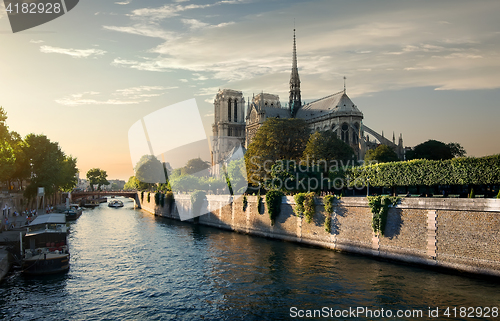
(428, 70)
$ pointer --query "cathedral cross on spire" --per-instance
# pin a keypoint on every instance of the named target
(295, 100)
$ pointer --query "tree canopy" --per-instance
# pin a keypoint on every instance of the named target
(276, 139)
(436, 150)
(48, 166)
(97, 177)
(150, 170)
(34, 159)
(381, 154)
(326, 149)
(195, 165)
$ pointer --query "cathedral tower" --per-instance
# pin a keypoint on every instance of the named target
(229, 125)
(295, 100)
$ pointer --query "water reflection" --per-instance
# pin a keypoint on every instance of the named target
(127, 264)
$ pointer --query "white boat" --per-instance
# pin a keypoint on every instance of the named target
(115, 203)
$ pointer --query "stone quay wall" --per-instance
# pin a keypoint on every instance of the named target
(459, 234)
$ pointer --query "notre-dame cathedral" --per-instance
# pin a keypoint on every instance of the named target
(234, 127)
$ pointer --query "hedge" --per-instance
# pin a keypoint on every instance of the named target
(457, 171)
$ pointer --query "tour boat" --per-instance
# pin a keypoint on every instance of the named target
(115, 203)
(46, 245)
(73, 212)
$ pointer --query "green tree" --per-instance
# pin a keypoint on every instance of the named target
(67, 180)
(97, 177)
(22, 165)
(276, 139)
(4, 129)
(133, 184)
(456, 149)
(150, 170)
(435, 150)
(325, 149)
(381, 154)
(237, 175)
(7, 161)
(194, 166)
(49, 167)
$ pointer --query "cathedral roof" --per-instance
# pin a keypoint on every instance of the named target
(276, 112)
(338, 104)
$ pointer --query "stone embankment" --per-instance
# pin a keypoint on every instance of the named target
(459, 234)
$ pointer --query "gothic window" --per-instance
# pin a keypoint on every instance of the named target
(229, 131)
(355, 134)
(235, 111)
(344, 133)
(229, 109)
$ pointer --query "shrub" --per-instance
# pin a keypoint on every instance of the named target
(472, 194)
(273, 201)
(456, 171)
(498, 195)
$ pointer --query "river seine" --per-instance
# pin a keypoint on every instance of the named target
(129, 265)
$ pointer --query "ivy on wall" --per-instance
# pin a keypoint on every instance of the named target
(299, 204)
(328, 223)
(273, 201)
(245, 203)
(328, 202)
(169, 198)
(260, 206)
(309, 207)
(379, 206)
(162, 199)
(197, 199)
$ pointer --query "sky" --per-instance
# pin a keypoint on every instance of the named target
(426, 69)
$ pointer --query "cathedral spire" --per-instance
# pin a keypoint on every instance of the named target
(295, 101)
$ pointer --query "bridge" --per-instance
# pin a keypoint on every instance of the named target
(100, 194)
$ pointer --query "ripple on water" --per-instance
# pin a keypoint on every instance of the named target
(129, 265)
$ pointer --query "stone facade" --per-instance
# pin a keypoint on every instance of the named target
(335, 113)
(460, 234)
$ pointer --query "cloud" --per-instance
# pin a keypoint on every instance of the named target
(145, 30)
(172, 10)
(124, 2)
(75, 53)
(127, 96)
(36, 41)
(405, 46)
(197, 24)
